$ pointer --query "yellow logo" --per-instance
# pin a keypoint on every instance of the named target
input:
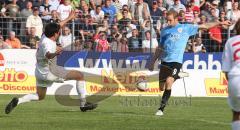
(217, 87)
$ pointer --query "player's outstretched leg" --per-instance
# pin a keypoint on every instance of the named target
(80, 87)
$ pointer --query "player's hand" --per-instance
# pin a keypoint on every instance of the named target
(59, 50)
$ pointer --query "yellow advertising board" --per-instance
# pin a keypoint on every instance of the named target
(216, 86)
(121, 83)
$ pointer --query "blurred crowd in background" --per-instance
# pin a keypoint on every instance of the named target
(114, 25)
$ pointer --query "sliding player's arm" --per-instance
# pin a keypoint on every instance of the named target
(213, 24)
(157, 54)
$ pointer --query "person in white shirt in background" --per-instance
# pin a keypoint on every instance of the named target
(147, 45)
(54, 4)
(64, 9)
(35, 21)
(97, 14)
(66, 39)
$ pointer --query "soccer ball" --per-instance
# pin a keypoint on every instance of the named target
(142, 85)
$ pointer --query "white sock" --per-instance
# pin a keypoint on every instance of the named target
(80, 86)
(28, 98)
(236, 125)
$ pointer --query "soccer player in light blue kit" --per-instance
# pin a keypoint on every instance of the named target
(173, 41)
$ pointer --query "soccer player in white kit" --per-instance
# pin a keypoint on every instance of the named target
(231, 68)
(47, 72)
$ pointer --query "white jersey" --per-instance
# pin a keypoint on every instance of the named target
(231, 56)
(45, 45)
(64, 11)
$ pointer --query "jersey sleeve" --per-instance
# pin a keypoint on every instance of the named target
(192, 29)
(47, 47)
(226, 58)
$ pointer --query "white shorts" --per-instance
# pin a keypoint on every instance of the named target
(234, 93)
(56, 74)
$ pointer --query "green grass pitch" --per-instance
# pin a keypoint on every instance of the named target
(119, 113)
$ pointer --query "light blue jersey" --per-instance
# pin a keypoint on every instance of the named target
(173, 40)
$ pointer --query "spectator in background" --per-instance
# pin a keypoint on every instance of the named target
(117, 5)
(54, 17)
(197, 46)
(97, 14)
(45, 11)
(196, 19)
(115, 38)
(35, 21)
(66, 39)
(177, 6)
(146, 26)
(123, 45)
(104, 27)
(37, 3)
(161, 5)
(102, 44)
(87, 28)
(149, 43)
(14, 42)
(115, 33)
(110, 9)
(92, 5)
(155, 12)
(234, 14)
(75, 4)
(4, 45)
(78, 45)
(22, 4)
(32, 39)
(189, 13)
(27, 11)
(120, 13)
(64, 9)
(133, 42)
(163, 20)
(24, 14)
(204, 34)
(97, 2)
(54, 4)
(213, 15)
(215, 36)
(85, 10)
(12, 11)
(214, 6)
(140, 12)
(82, 4)
(182, 17)
(224, 29)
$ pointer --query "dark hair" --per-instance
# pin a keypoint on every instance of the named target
(51, 29)
(237, 27)
(98, 6)
(173, 12)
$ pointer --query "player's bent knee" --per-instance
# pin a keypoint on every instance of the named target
(75, 75)
(169, 82)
